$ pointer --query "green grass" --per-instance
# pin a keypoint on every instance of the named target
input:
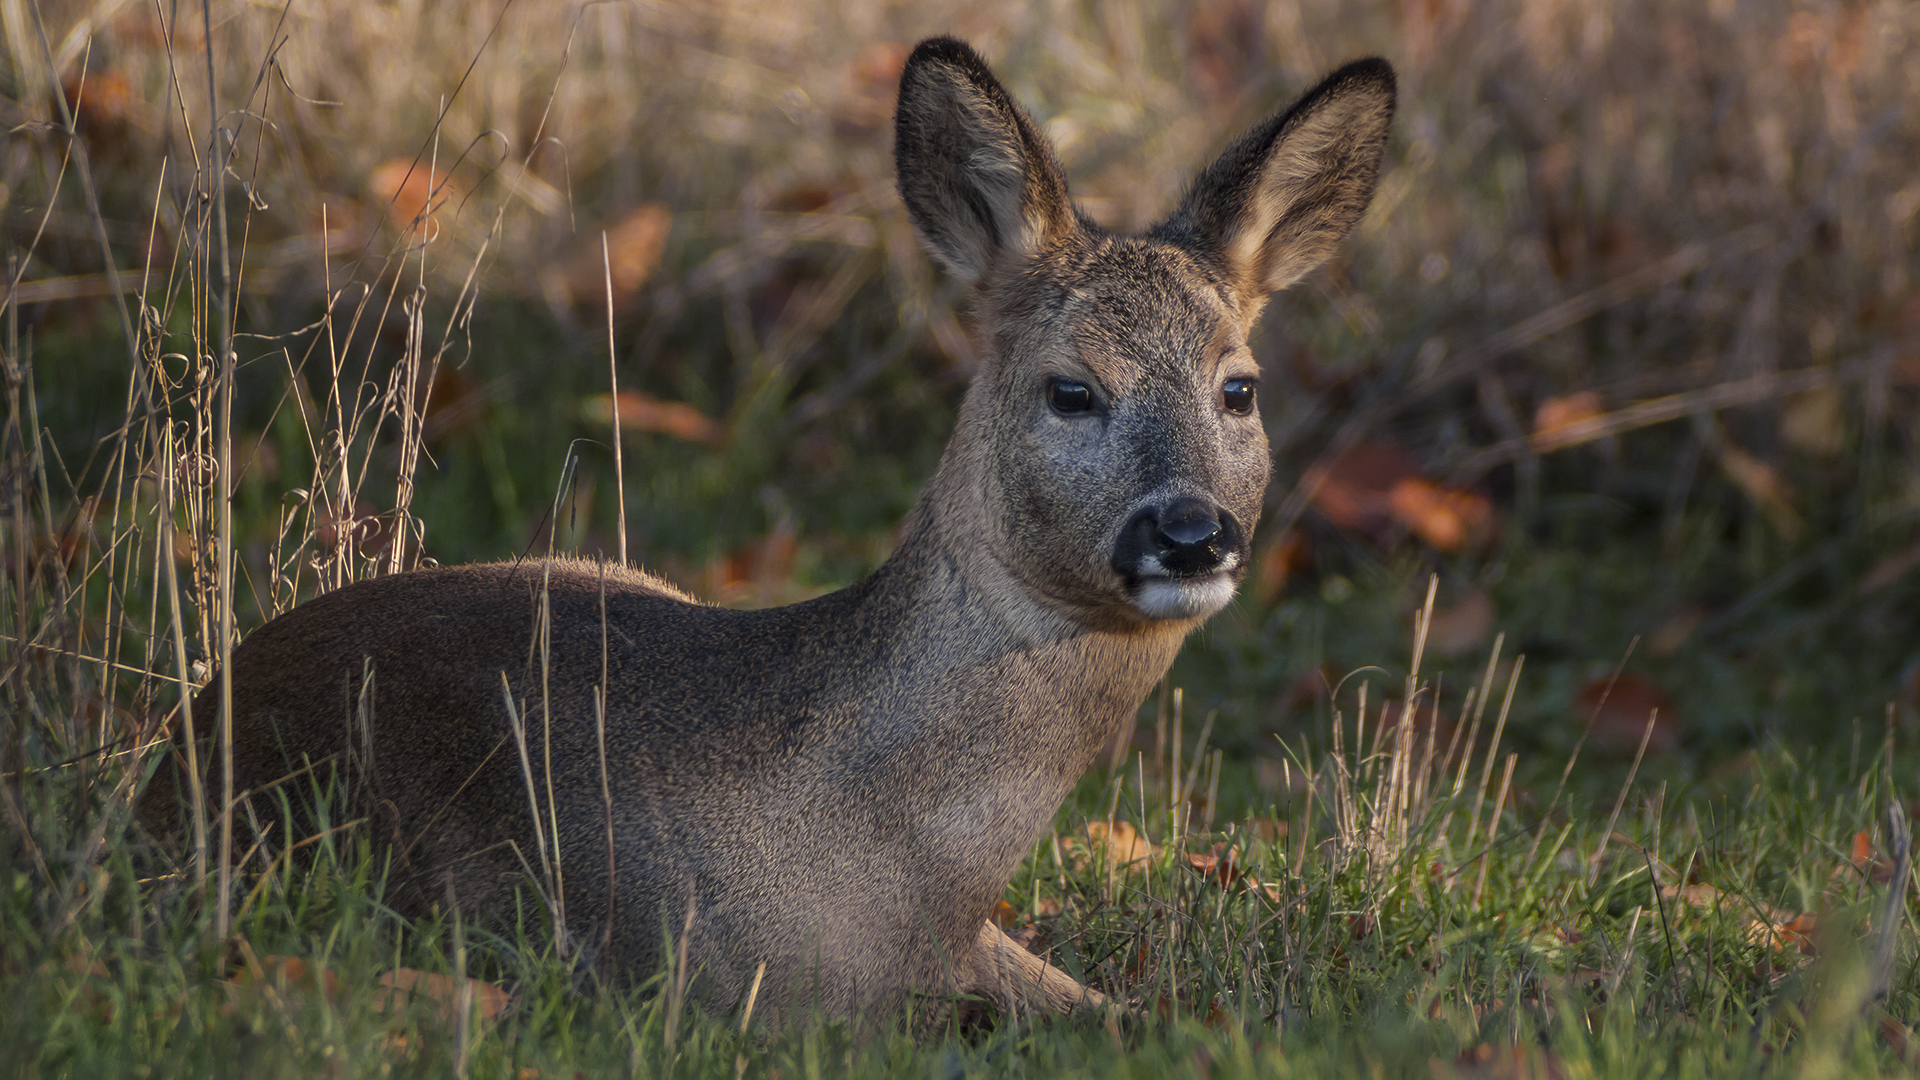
(1379, 946)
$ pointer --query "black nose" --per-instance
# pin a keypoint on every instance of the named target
(1188, 536)
(1189, 524)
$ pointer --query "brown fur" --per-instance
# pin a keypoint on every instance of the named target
(842, 788)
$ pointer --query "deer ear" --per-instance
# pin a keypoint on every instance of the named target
(1279, 200)
(980, 182)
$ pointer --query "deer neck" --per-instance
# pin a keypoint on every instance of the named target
(963, 630)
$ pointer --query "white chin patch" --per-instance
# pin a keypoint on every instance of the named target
(1183, 598)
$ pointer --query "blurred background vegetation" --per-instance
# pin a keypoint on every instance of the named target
(1627, 350)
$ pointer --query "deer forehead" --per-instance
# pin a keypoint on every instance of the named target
(1129, 312)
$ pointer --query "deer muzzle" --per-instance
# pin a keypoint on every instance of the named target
(1179, 560)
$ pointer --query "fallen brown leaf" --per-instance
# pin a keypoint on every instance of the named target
(1768, 927)
(1447, 519)
(641, 412)
(1351, 491)
(1031, 938)
(1285, 557)
(103, 104)
(280, 976)
(582, 276)
(440, 993)
(1794, 933)
(1120, 841)
(1556, 413)
(1504, 1063)
(1463, 625)
(1221, 865)
(1118, 845)
(1866, 859)
(411, 193)
(1619, 708)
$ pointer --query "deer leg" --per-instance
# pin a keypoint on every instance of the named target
(1020, 983)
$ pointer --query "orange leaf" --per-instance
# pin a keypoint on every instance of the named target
(1461, 626)
(1119, 845)
(640, 412)
(401, 986)
(411, 192)
(1556, 413)
(1619, 709)
(1518, 1062)
(1448, 519)
(1285, 557)
(633, 245)
(1877, 868)
(1784, 933)
(1222, 864)
(1351, 491)
(287, 971)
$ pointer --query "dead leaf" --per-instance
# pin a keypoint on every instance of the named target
(1556, 413)
(1285, 557)
(411, 192)
(1518, 1062)
(1897, 1036)
(1788, 933)
(759, 569)
(1351, 491)
(365, 527)
(641, 412)
(1870, 863)
(868, 88)
(1116, 845)
(1211, 1014)
(633, 247)
(1619, 708)
(1225, 40)
(1461, 627)
(277, 977)
(1221, 864)
(1031, 938)
(1767, 926)
(1447, 519)
(441, 994)
(1121, 842)
(104, 106)
(1266, 829)
(1673, 633)
(341, 224)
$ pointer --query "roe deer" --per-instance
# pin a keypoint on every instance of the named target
(840, 790)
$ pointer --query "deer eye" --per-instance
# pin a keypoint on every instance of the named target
(1238, 395)
(1068, 397)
